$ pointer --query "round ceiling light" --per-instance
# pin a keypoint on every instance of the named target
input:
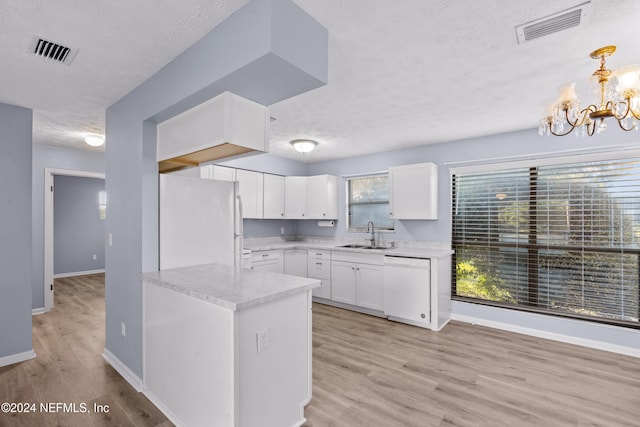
(94, 140)
(304, 145)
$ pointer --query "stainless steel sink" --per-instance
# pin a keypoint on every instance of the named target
(356, 246)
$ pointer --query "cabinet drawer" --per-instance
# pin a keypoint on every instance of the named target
(319, 268)
(257, 256)
(319, 254)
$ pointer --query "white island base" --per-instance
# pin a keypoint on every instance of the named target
(202, 364)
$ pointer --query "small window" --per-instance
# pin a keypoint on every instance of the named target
(102, 204)
(368, 200)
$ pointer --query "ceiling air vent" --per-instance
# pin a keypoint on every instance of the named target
(53, 51)
(560, 21)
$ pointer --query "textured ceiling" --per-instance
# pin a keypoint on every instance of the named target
(401, 73)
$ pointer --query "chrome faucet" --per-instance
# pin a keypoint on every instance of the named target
(371, 228)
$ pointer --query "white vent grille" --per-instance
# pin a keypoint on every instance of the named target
(573, 17)
(53, 51)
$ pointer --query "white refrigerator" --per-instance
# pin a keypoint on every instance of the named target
(200, 222)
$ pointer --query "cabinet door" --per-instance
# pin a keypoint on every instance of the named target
(324, 291)
(324, 201)
(295, 196)
(319, 268)
(223, 173)
(295, 262)
(414, 191)
(370, 286)
(343, 282)
(273, 196)
(273, 265)
(251, 193)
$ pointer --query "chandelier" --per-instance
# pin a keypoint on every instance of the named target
(619, 92)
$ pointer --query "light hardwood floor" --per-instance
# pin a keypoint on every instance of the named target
(69, 368)
(366, 371)
(371, 372)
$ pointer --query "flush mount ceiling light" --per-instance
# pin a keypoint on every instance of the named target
(619, 92)
(94, 140)
(304, 145)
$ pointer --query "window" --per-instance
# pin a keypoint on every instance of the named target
(563, 239)
(102, 204)
(368, 200)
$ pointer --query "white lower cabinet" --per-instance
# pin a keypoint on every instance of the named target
(343, 282)
(295, 262)
(319, 267)
(357, 279)
(370, 286)
(270, 260)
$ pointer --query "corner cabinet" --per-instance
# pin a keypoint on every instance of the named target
(413, 191)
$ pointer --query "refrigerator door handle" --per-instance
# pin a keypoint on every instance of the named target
(240, 226)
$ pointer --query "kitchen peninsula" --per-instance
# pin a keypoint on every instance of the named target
(227, 347)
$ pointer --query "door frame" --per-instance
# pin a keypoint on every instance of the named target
(47, 286)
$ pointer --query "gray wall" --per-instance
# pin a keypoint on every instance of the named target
(267, 51)
(15, 230)
(46, 156)
(78, 231)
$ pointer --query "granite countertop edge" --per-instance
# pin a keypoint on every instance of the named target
(233, 302)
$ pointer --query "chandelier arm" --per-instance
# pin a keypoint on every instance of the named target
(561, 134)
(591, 129)
(624, 128)
(628, 109)
(634, 114)
(581, 117)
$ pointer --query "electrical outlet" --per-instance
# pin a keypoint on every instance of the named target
(110, 238)
(123, 329)
(263, 340)
(94, 257)
(281, 230)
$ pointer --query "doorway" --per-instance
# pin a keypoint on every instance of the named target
(49, 226)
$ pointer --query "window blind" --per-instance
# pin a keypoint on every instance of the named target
(563, 239)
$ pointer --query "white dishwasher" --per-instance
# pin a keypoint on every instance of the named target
(407, 290)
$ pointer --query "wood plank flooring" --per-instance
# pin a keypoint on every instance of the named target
(371, 372)
(366, 371)
(69, 368)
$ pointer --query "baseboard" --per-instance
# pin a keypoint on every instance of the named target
(39, 310)
(598, 345)
(123, 370)
(363, 310)
(163, 408)
(77, 273)
(16, 358)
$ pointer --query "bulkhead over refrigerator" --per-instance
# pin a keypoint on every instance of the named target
(200, 222)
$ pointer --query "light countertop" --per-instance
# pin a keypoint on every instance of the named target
(414, 252)
(226, 286)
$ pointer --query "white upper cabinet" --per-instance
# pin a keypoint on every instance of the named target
(311, 197)
(219, 173)
(251, 193)
(224, 126)
(273, 196)
(295, 197)
(413, 191)
(322, 199)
